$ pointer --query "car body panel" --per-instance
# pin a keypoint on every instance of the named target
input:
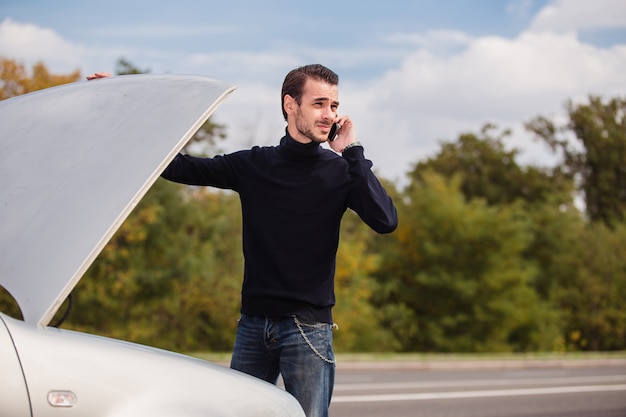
(74, 162)
(115, 378)
(13, 394)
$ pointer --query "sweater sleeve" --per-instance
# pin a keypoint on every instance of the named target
(191, 170)
(368, 197)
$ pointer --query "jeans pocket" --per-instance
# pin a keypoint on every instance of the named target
(318, 336)
(305, 321)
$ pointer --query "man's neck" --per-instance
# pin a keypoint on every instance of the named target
(297, 136)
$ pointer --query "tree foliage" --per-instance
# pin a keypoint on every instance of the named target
(460, 281)
(490, 171)
(591, 294)
(15, 80)
(597, 155)
(173, 269)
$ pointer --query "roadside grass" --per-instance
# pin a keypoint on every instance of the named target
(364, 358)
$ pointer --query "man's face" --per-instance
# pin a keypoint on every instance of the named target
(312, 119)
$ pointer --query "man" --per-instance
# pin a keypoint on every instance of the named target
(293, 197)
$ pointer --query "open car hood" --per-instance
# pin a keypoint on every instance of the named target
(74, 162)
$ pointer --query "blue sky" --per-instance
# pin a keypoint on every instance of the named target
(412, 73)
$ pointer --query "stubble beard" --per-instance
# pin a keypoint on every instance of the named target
(305, 129)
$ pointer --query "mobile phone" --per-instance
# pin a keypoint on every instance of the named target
(332, 135)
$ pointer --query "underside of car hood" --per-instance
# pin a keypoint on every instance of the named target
(74, 162)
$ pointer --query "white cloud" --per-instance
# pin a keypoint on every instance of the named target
(506, 81)
(252, 115)
(29, 44)
(575, 15)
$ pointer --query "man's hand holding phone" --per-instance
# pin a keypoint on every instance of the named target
(332, 135)
(342, 133)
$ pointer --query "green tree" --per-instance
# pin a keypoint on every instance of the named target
(15, 80)
(555, 232)
(592, 291)
(595, 156)
(490, 171)
(460, 282)
(171, 275)
(124, 67)
(360, 327)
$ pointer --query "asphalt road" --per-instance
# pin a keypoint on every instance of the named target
(501, 389)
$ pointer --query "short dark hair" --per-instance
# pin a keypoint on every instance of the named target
(296, 78)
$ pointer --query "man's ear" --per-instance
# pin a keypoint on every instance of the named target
(289, 104)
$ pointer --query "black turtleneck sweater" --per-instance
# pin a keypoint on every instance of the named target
(293, 197)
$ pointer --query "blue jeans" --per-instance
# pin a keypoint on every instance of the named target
(266, 347)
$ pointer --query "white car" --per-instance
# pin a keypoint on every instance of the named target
(74, 162)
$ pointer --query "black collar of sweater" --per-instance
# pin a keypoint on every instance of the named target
(292, 149)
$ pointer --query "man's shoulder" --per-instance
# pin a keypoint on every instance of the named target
(256, 149)
(252, 155)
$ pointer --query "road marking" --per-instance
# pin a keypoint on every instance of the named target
(380, 386)
(476, 394)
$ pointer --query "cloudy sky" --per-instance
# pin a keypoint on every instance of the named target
(412, 73)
